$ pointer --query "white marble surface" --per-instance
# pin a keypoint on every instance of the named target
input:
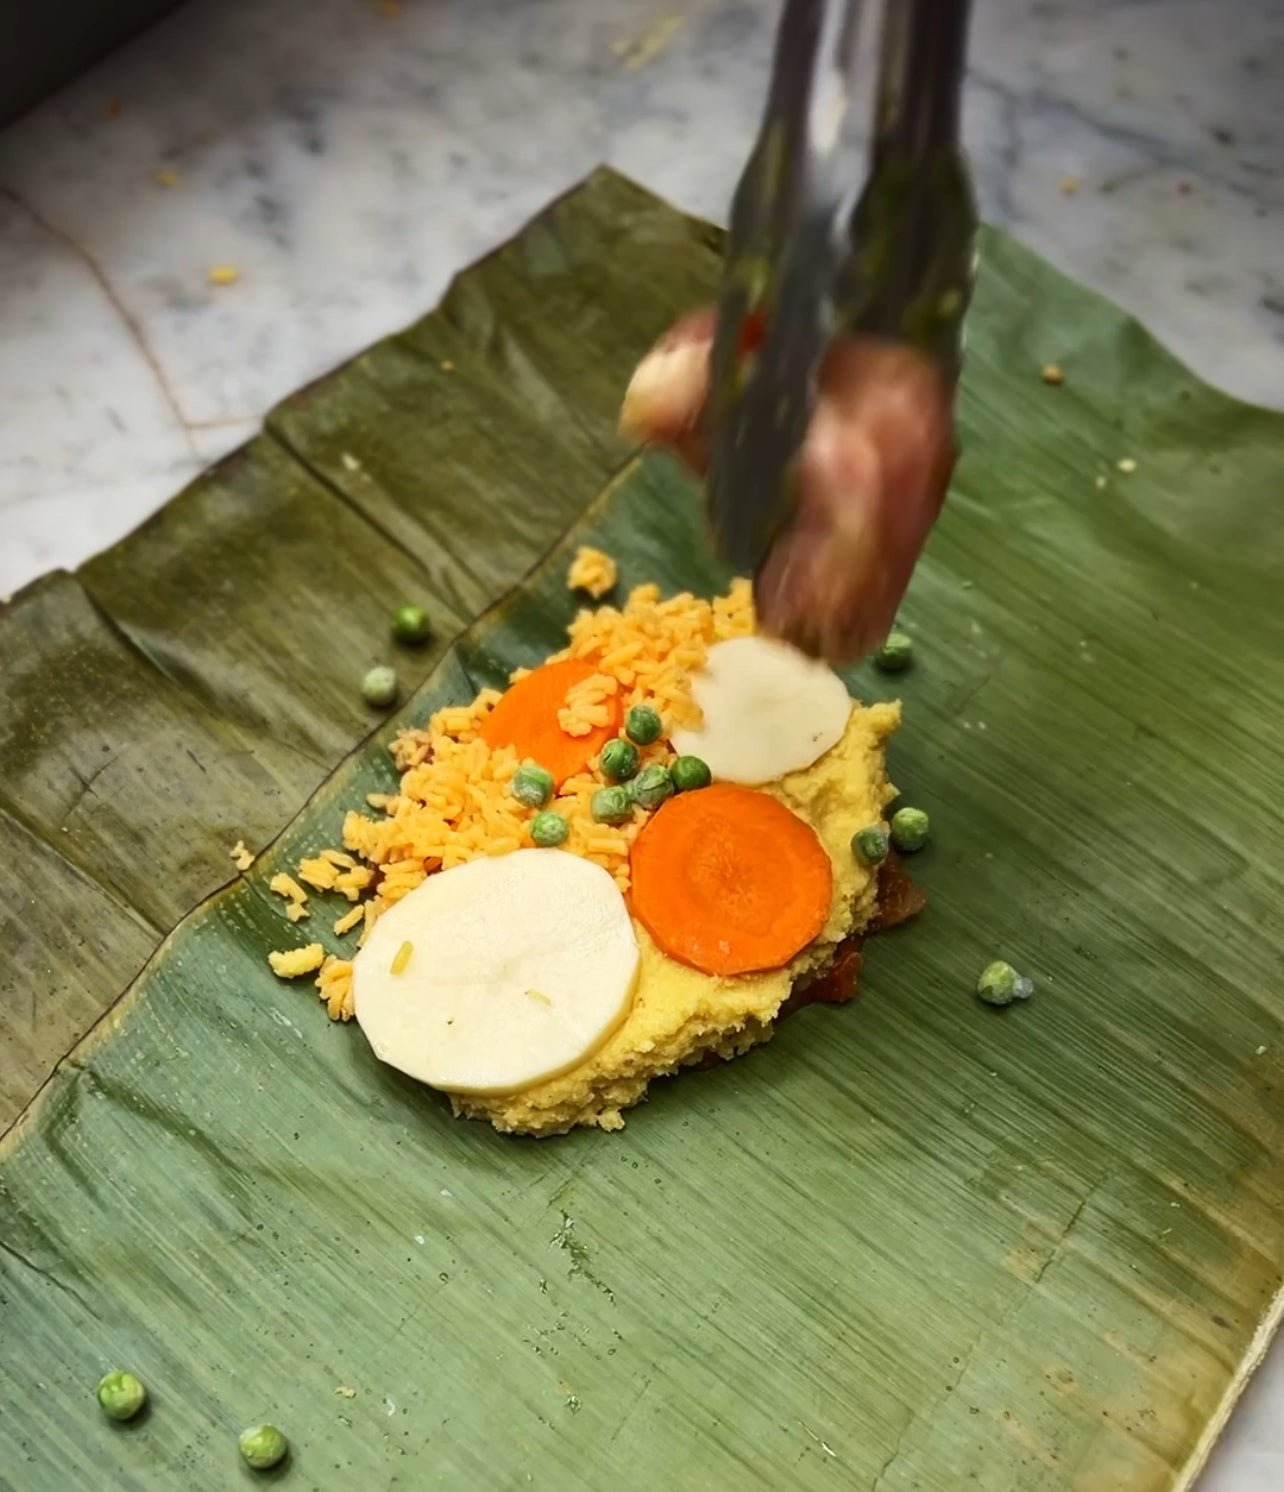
(347, 156)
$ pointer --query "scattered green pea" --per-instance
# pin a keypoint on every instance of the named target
(379, 687)
(262, 1447)
(652, 786)
(532, 785)
(121, 1395)
(619, 760)
(549, 829)
(611, 805)
(910, 829)
(896, 654)
(410, 625)
(643, 725)
(1000, 984)
(869, 845)
(689, 773)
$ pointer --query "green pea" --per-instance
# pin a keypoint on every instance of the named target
(896, 654)
(643, 725)
(611, 805)
(532, 785)
(549, 829)
(910, 829)
(379, 687)
(121, 1395)
(410, 624)
(262, 1447)
(652, 786)
(619, 760)
(1000, 984)
(869, 845)
(689, 773)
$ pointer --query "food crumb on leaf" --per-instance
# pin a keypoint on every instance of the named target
(293, 963)
(296, 898)
(592, 571)
(349, 920)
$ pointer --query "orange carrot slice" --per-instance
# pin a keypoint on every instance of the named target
(728, 880)
(526, 719)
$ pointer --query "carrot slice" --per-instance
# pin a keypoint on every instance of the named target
(728, 880)
(526, 719)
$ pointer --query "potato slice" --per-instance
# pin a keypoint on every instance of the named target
(768, 710)
(519, 966)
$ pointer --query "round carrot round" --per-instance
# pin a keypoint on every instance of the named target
(728, 880)
(526, 719)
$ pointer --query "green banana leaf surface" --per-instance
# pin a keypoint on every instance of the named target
(912, 1243)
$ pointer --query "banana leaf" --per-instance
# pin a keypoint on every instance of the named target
(913, 1243)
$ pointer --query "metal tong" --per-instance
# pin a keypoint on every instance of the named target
(811, 256)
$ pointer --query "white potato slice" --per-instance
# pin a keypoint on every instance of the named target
(519, 967)
(768, 710)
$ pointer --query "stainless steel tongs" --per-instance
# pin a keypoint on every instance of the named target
(812, 256)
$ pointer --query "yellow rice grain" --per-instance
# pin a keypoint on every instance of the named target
(241, 857)
(334, 984)
(351, 883)
(290, 963)
(586, 706)
(349, 920)
(319, 873)
(593, 572)
(653, 645)
(296, 898)
(401, 958)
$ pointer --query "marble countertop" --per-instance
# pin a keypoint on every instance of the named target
(345, 157)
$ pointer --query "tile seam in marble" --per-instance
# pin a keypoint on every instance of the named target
(1159, 155)
(131, 323)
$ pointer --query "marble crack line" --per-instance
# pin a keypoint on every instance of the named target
(1159, 154)
(127, 317)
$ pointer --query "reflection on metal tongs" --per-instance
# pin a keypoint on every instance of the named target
(812, 256)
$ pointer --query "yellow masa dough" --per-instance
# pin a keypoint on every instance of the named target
(679, 1015)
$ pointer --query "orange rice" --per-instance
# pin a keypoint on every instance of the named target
(586, 708)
